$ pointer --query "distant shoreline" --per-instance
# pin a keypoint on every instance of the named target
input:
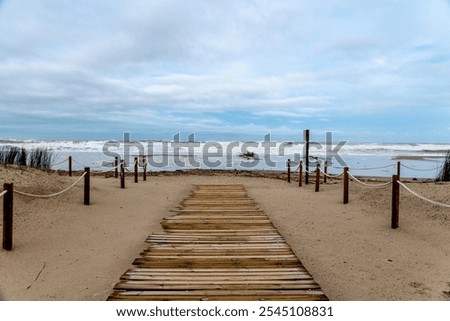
(272, 174)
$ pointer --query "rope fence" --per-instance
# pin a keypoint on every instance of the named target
(389, 166)
(83, 165)
(331, 176)
(134, 169)
(61, 162)
(8, 204)
(422, 170)
(120, 168)
(109, 169)
(366, 168)
(54, 194)
(347, 176)
(369, 185)
(422, 197)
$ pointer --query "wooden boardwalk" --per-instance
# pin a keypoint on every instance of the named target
(218, 246)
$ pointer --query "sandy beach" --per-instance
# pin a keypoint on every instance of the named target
(64, 250)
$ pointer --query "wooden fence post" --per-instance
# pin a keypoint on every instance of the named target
(325, 170)
(317, 177)
(300, 173)
(398, 169)
(116, 164)
(87, 186)
(345, 185)
(395, 201)
(144, 175)
(70, 165)
(289, 171)
(306, 138)
(136, 164)
(122, 174)
(8, 199)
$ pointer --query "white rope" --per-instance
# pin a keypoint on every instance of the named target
(85, 165)
(131, 168)
(73, 160)
(369, 185)
(422, 170)
(423, 197)
(54, 194)
(3, 193)
(109, 169)
(331, 176)
(295, 167)
(366, 168)
(63, 161)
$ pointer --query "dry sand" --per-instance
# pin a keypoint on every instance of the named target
(64, 250)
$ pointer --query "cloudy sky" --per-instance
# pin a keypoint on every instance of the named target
(366, 70)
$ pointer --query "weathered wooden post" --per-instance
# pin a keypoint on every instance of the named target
(122, 174)
(395, 201)
(136, 172)
(70, 165)
(116, 165)
(345, 184)
(300, 173)
(398, 169)
(8, 199)
(289, 171)
(87, 186)
(306, 138)
(317, 177)
(144, 174)
(325, 170)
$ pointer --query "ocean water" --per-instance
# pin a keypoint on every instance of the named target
(366, 159)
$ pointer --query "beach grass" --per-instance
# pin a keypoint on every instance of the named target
(40, 158)
(444, 173)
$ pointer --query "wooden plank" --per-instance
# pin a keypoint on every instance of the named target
(216, 270)
(217, 295)
(215, 278)
(210, 225)
(231, 233)
(249, 285)
(223, 234)
(181, 210)
(227, 292)
(156, 251)
(262, 229)
(189, 263)
(148, 256)
(212, 248)
(219, 186)
(150, 274)
(233, 217)
(220, 281)
(218, 218)
(219, 194)
(117, 297)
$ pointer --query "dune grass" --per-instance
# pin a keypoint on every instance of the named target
(444, 173)
(40, 158)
